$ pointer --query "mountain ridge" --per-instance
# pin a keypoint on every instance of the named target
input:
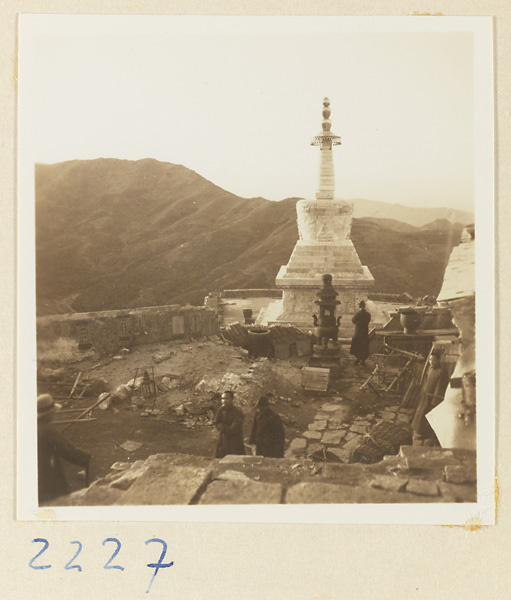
(113, 233)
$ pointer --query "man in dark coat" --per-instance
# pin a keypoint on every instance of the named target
(360, 339)
(229, 422)
(267, 431)
(52, 447)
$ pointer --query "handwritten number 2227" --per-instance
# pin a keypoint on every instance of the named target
(156, 566)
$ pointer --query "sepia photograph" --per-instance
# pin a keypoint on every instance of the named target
(249, 255)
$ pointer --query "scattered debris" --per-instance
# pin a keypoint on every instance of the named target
(131, 446)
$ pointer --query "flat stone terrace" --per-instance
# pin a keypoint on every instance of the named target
(416, 475)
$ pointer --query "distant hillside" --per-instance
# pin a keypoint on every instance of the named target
(115, 233)
(408, 214)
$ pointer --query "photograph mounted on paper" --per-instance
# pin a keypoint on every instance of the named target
(248, 264)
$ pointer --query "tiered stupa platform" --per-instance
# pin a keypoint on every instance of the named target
(324, 226)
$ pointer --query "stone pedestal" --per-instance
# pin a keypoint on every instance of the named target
(324, 247)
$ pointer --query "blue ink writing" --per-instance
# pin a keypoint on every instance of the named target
(159, 565)
(45, 547)
(116, 552)
(69, 565)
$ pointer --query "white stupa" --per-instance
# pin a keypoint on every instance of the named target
(324, 246)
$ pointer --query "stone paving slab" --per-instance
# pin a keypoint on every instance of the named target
(340, 416)
(359, 429)
(332, 437)
(353, 442)
(330, 407)
(312, 435)
(321, 416)
(329, 493)
(318, 425)
(241, 492)
(311, 448)
(350, 435)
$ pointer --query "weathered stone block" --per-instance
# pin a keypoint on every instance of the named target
(350, 435)
(387, 482)
(460, 474)
(422, 488)
(457, 493)
(241, 458)
(297, 446)
(329, 493)
(231, 475)
(241, 492)
(312, 435)
(419, 451)
(179, 486)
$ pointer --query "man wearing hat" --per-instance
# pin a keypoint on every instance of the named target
(360, 339)
(267, 431)
(229, 423)
(52, 446)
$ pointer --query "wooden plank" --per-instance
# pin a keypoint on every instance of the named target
(88, 410)
(77, 381)
(315, 379)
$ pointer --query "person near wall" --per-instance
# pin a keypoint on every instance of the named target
(229, 423)
(360, 340)
(52, 447)
(267, 431)
(432, 394)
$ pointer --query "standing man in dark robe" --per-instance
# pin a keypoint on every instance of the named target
(360, 339)
(432, 393)
(229, 422)
(267, 431)
(52, 447)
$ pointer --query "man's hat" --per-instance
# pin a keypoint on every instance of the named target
(46, 405)
(361, 304)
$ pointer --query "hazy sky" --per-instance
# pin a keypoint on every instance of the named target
(238, 101)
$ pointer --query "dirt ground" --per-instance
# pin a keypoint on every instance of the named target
(195, 370)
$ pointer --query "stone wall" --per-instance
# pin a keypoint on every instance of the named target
(107, 332)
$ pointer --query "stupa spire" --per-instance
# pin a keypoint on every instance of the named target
(325, 140)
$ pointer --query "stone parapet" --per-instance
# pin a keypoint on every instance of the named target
(420, 475)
